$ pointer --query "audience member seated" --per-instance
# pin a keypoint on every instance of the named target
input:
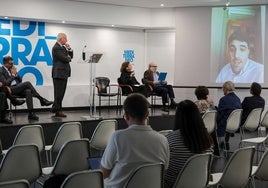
(150, 77)
(227, 104)
(10, 78)
(129, 148)
(203, 103)
(128, 77)
(255, 101)
(189, 137)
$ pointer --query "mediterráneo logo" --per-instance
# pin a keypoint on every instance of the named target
(26, 42)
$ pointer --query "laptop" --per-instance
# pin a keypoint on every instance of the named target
(94, 162)
(162, 76)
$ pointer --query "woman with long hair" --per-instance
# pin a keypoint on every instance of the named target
(189, 137)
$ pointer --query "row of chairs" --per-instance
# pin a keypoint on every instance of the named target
(252, 123)
(105, 89)
(67, 131)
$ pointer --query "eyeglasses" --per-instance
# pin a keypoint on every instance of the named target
(153, 66)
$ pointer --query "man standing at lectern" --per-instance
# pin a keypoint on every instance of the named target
(62, 55)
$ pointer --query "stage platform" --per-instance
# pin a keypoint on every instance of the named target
(158, 120)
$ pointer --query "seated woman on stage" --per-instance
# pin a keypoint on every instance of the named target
(189, 137)
(127, 77)
(203, 103)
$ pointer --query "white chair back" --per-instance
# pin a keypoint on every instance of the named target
(233, 121)
(31, 134)
(253, 120)
(264, 121)
(146, 176)
(102, 134)
(72, 157)
(262, 170)
(15, 184)
(195, 173)
(21, 162)
(84, 179)
(209, 119)
(237, 170)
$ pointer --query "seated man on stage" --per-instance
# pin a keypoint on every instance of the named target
(4, 94)
(10, 78)
(150, 77)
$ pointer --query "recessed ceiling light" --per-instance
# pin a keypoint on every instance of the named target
(112, 25)
(62, 21)
(6, 17)
(162, 4)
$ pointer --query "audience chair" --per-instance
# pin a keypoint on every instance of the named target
(84, 179)
(71, 158)
(123, 90)
(209, 119)
(101, 135)
(66, 132)
(232, 125)
(237, 170)
(15, 184)
(260, 172)
(146, 176)
(104, 90)
(21, 162)
(30, 134)
(264, 122)
(195, 172)
(252, 122)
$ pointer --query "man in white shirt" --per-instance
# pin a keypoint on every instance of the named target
(241, 69)
(134, 146)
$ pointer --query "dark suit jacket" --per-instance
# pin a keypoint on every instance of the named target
(227, 104)
(6, 79)
(61, 62)
(148, 78)
(249, 103)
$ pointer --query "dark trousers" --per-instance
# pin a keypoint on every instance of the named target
(165, 91)
(26, 90)
(59, 91)
(3, 105)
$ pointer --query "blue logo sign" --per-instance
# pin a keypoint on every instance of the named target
(26, 43)
(128, 55)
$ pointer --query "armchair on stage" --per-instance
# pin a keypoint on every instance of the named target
(104, 89)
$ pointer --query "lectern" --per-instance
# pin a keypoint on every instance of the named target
(93, 60)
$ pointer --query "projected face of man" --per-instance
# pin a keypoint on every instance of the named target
(239, 53)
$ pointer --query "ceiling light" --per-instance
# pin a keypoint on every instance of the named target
(162, 4)
(62, 21)
(6, 17)
(227, 3)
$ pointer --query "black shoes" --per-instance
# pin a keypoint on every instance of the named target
(17, 102)
(60, 114)
(32, 116)
(45, 102)
(165, 109)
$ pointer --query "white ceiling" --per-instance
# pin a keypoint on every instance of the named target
(173, 3)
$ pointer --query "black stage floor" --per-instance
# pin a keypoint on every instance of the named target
(158, 120)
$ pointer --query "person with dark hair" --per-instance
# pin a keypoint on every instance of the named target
(129, 148)
(255, 101)
(203, 103)
(150, 77)
(189, 137)
(241, 68)
(10, 78)
(128, 77)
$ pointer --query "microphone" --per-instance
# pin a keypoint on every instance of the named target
(84, 53)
